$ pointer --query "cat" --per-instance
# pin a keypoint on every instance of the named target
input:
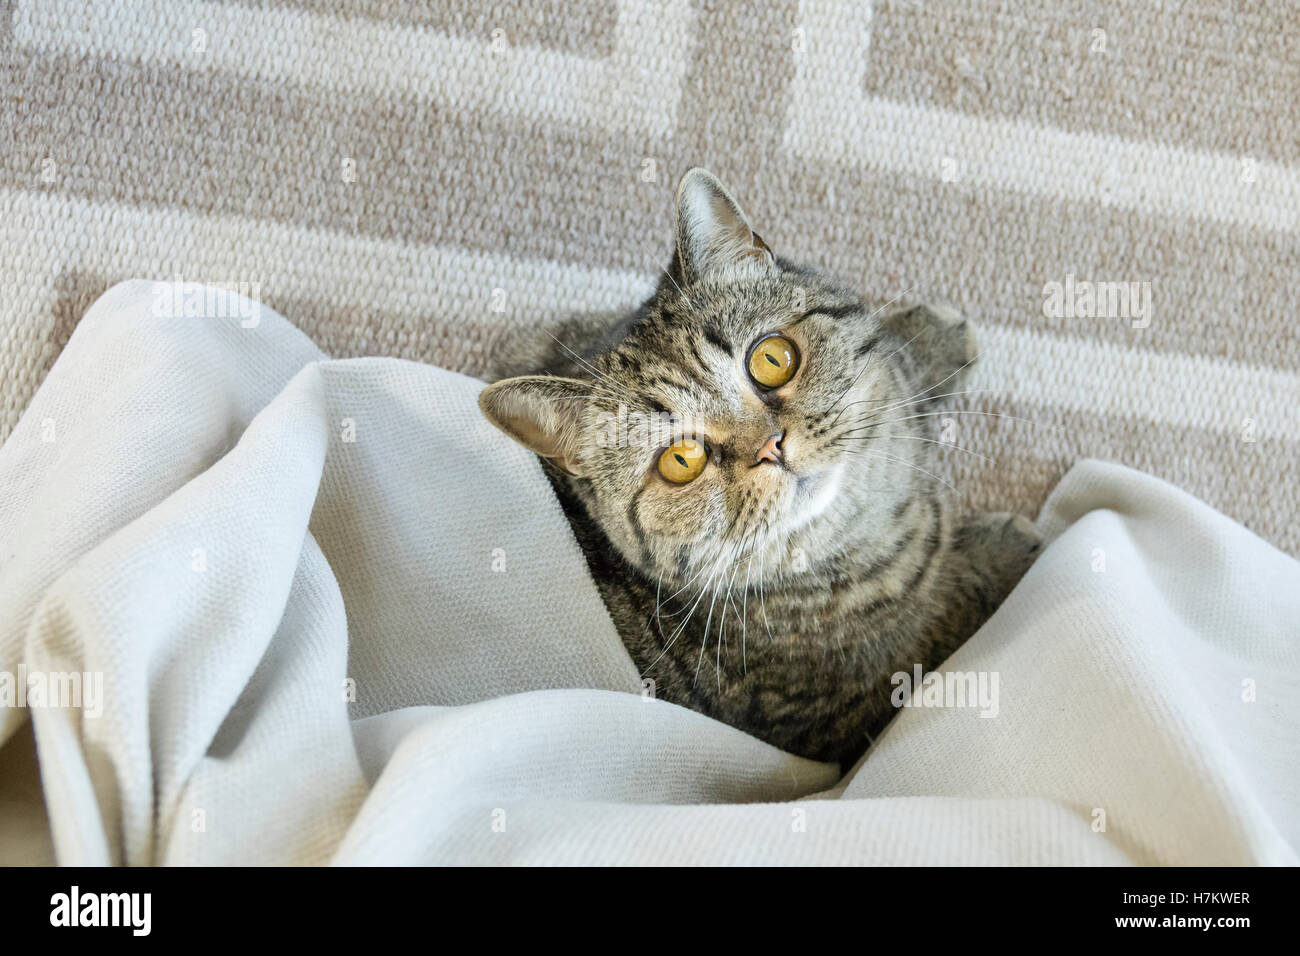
(773, 547)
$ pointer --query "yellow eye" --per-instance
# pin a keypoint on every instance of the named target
(773, 361)
(682, 461)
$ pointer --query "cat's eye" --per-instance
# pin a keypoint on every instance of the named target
(682, 461)
(773, 361)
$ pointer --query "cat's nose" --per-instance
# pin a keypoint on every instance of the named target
(770, 450)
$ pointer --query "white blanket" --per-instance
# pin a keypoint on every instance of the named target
(336, 617)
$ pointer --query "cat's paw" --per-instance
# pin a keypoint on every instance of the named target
(1007, 544)
(940, 343)
(954, 335)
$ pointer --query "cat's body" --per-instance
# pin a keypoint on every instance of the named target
(814, 555)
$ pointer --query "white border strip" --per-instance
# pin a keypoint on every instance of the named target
(46, 234)
(637, 88)
(832, 119)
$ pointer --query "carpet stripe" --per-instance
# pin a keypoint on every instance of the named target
(831, 118)
(636, 89)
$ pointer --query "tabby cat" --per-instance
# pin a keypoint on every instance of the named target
(745, 461)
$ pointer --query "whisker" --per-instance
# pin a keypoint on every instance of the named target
(901, 461)
(964, 411)
(689, 304)
(682, 626)
(659, 626)
(893, 300)
(714, 567)
(740, 553)
(912, 400)
(932, 441)
(762, 596)
(617, 389)
(703, 566)
(744, 616)
(869, 420)
(705, 639)
(678, 631)
(924, 396)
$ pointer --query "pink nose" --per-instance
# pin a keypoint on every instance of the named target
(771, 449)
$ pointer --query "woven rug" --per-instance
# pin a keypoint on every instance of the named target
(1111, 190)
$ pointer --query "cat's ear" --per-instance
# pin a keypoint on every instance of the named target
(541, 412)
(713, 236)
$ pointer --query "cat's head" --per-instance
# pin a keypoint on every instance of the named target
(724, 421)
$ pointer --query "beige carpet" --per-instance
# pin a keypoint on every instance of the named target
(421, 183)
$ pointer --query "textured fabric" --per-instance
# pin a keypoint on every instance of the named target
(340, 618)
(421, 183)
(228, 528)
